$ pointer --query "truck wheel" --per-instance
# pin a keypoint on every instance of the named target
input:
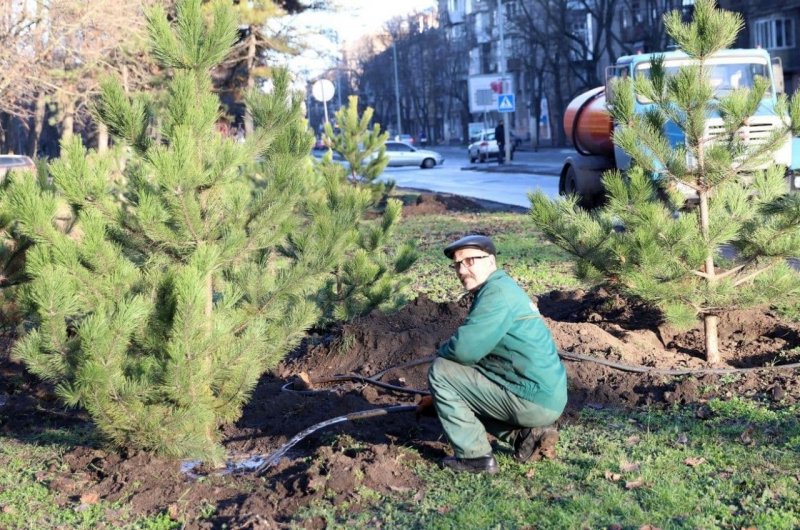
(568, 185)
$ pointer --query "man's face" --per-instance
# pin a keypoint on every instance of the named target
(473, 272)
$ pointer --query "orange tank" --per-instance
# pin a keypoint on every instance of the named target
(587, 123)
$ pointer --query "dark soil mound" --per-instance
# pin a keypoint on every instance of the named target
(427, 204)
(331, 464)
(439, 203)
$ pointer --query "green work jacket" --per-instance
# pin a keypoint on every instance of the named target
(507, 340)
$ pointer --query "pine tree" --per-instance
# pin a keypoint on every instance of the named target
(158, 312)
(361, 147)
(372, 276)
(13, 246)
(676, 258)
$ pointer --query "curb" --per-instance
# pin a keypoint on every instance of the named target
(512, 168)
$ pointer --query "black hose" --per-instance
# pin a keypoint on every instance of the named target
(663, 371)
(369, 380)
(625, 367)
(409, 364)
(272, 459)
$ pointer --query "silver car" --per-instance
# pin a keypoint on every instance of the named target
(15, 162)
(403, 154)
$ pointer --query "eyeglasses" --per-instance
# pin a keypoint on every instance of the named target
(467, 262)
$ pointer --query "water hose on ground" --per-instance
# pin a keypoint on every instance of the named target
(275, 457)
(307, 385)
(664, 371)
(625, 367)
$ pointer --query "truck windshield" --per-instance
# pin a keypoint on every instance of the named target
(724, 77)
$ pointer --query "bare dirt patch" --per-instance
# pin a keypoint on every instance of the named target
(333, 464)
(439, 203)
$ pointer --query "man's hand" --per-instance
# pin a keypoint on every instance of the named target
(425, 407)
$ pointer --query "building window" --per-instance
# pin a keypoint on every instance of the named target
(775, 33)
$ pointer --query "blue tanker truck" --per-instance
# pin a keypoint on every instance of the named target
(589, 126)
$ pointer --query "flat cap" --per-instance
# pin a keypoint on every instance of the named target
(471, 241)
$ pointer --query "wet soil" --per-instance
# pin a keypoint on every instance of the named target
(380, 453)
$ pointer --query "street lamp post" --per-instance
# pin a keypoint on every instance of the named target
(396, 86)
(506, 131)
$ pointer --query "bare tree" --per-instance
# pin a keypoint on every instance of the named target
(554, 55)
(53, 55)
(419, 63)
(451, 72)
(247, 61)
(565, 44)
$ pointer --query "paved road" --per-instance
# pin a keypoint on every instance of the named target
(507, 184)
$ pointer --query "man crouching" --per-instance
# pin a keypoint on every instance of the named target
(500, 372)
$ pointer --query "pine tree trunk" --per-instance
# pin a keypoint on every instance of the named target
(102, 137)
(712, 338)
(710, 321)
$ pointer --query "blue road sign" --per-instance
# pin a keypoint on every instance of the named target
(505, 103)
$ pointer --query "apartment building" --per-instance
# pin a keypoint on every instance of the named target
(774, 26)
(558, 48)
(476, 24)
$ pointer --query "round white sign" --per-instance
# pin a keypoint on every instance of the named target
(322, 90)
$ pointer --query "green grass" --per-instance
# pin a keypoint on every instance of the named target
(616, 468)
(746, 455)
(536, 264)
(26, 466)
(665, 468)
(788, 310)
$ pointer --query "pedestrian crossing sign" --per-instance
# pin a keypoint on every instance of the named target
(505, 103)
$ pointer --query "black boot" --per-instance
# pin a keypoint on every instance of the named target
(482, 464)
(536, 443)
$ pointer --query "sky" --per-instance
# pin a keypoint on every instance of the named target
(360, 17)
(356, 18)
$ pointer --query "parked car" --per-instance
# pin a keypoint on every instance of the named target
(483, 146)
(403, 154)
(399, 154)
(336, 157)
(16, 162)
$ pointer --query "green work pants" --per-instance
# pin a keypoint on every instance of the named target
(469, 405)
